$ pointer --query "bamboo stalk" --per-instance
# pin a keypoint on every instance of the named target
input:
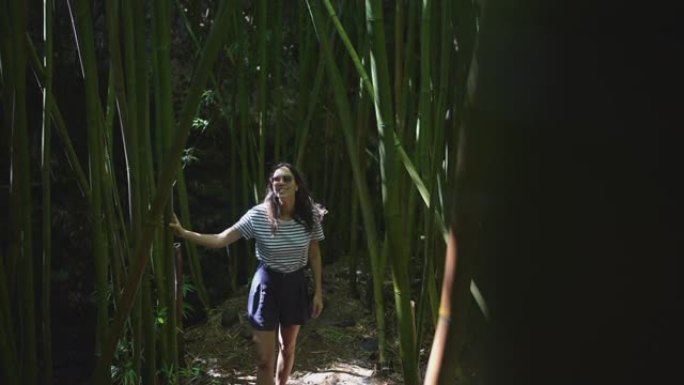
(46, 153)
(20, 195)
(8, 352)
(58, 120)
(391, 188)
(376, 261)
(164, 183)
(84, 34)
(163, 253)
(263, 95)
(277, 50)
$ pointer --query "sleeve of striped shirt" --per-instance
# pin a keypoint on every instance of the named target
(244, 225)
(317, 231)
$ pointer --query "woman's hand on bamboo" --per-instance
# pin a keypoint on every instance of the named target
(176, 226)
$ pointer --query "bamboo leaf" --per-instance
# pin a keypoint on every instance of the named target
(418, 183)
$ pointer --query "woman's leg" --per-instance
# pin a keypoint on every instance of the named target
(287, 341)
(265, 350)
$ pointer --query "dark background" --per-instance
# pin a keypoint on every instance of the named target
(582, 104)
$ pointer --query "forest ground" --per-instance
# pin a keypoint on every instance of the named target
(340, 347)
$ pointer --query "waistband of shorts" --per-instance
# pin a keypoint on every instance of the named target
(271, 270)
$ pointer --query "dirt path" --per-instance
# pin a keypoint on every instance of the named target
(338, 348)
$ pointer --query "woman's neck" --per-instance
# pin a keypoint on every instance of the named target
(286, 208)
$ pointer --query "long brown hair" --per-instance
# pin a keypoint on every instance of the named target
(306, 211)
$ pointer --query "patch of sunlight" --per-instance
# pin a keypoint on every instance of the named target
(338, 373)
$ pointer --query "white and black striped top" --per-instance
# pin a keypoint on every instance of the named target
(285, 251)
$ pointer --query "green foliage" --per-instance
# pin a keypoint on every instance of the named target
(161, 316)
(200, 124)
(123, 368)
(189, 156)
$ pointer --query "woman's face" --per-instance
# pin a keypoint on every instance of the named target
(283, 182)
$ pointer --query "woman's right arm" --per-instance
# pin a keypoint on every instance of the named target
(214, 241)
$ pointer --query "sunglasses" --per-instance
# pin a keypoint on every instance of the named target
(284, 178)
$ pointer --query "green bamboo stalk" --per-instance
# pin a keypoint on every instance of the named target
(58, 120)
(20, 194)
(233, 262)
(456, 292)
(424, 147)
(424, 124)
(245, 149)
(9, 360)
(191, 249)
(263, 95)
(278, 78)
(392, 181)
(117, 84)
(377, 266)
(130, 76)
(303, 131)
(399, 55)
(436, 169)
(147, 322)
(86, 45)
(362, 113)
(164, 184)
(368, 84)
(115, 227)
(8, 352)
(352, 258)
(307, 93)
(405, 110)
(163, 253)
(9, 357)
(46, 326)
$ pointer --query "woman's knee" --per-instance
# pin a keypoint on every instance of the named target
(287, 340)
(265, 363)
(265, 354)
(287, 348)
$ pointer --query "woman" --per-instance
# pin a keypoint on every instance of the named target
(287, 229)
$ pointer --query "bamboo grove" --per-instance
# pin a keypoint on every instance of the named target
(385, 81)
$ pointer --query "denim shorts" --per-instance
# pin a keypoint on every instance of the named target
(278, 299)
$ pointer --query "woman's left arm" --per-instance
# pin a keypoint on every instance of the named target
(316, 268)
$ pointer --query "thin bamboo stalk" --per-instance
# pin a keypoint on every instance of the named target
(303, 131)
(58, 120)
(278, 96)
(46, 153)
(263, 94)
(190, 248)
(85, 37)
(193, 261)
(149, 369)
(163, 253)
(134, 63)
(376, 261)
(392, 181)
(307, 93)
(164, 184)
(246, 147)
(20, 194)
(8, 352)
(425, 150)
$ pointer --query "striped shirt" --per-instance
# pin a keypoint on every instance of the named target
(285, 251)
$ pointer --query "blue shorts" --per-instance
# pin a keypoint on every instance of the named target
(278, 299)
